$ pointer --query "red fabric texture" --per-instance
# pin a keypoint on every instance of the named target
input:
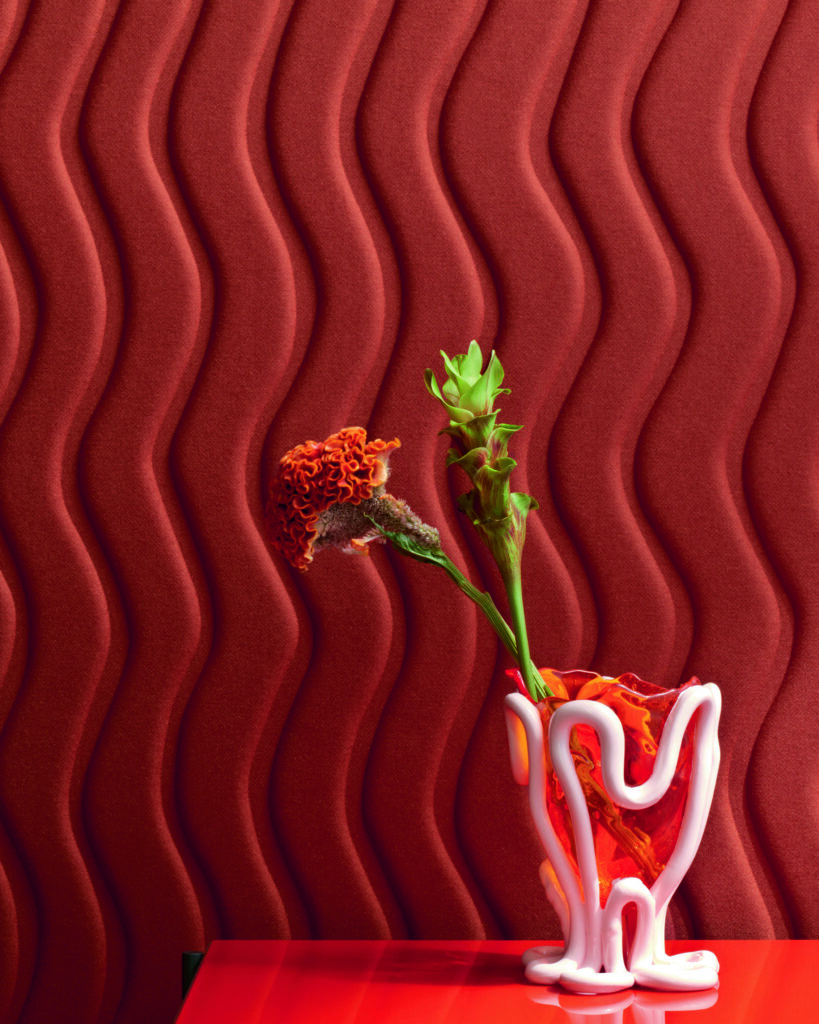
(228, 228)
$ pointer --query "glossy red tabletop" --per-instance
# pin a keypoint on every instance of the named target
(245, 982)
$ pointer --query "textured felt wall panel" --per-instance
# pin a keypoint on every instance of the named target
(228, 227)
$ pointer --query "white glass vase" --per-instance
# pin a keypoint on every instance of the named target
(584, 766)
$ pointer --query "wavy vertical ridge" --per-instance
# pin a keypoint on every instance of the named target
(330, 222)
(16, 895)
(162, 297)
(623, 367)
(251, 901)
(643, 320)
(314, 126)
(63, 874)
(486, 154)
(779, 462)
(752, 315)
(508, 209)
(398, 129)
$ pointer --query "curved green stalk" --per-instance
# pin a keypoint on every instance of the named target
(531, 676)
(511, 640)
(515, 641)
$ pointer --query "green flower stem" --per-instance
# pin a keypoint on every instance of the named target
(510, 640)
(425, 547)
(514, 592)
(484, 602)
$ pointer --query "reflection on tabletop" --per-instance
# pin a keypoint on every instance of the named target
(480, 982)
(634, 1005)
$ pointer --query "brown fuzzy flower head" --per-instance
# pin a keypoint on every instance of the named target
(346, 469)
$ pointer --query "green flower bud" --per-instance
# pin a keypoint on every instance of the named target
(467, 393)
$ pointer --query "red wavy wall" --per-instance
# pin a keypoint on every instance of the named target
(229, 227)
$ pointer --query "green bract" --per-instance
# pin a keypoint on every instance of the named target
(480, 446)
(467, 393)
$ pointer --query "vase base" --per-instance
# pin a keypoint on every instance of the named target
(687, 972)
(543, 954)
(549, 967)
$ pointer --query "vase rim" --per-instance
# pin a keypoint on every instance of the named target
(585, 684)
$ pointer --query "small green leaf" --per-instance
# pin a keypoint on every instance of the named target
(470, 462)
(466, 503)
(432, 384)
(475, 432)
(468, 364)
(494, 373)
(453, 370)
(453, 411)
(524, 502)
(478, 398)
(507, 429)
(492, 483)
(410, 546)
(499, 440)
(452, 455)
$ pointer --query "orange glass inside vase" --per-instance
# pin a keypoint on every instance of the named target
(627, 843)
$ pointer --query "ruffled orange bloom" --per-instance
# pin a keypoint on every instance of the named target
(344, 470)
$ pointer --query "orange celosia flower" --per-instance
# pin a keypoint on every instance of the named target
(344, 470)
